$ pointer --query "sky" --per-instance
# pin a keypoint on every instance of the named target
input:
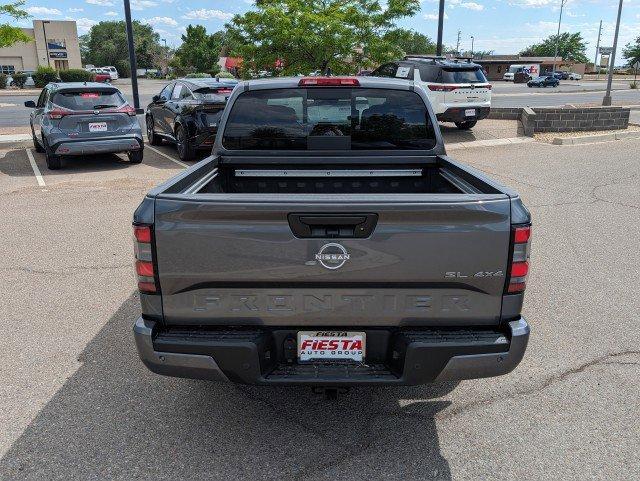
(504, 26)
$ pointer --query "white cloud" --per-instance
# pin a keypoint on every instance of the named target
(162, 21)
(102, 3)
(142, 4)
(76, 10)
(43, 11)
(111, 13)
(204, 14)
(531, 3)
(472, 6)
(434, 16)
(84, 24)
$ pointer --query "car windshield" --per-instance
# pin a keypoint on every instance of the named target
(328, 118)
(213, 93)
(457, 76)
(88, 99)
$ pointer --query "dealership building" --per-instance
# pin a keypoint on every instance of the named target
(55, 44)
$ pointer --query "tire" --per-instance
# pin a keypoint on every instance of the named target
(135, 156)
(152, 138)
(469, 124)
(185, 148)
(36, 145)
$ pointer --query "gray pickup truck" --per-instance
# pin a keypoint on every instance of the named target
(330, 241)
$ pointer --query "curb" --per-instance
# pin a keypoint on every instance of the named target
(22, 92)
(4, 138)
(488, 143)
(588, 139)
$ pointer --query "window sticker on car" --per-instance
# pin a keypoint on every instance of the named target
(403, 72)
(90, 95)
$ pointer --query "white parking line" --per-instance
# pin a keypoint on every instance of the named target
(167, 156)
(36, 170)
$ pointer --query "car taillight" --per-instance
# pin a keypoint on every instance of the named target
(442, 88)
(144, 259)
(329, 82)
(224, 91)
(57, 114)
(519, 265)
(127, 109)
(488, 86)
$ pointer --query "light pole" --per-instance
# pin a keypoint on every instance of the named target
(555, 55)
(458, 43)
(46, 43)
(132, 55)
(472, 47)
(612, 60)
(440, 25)
(595, 61)
(166, 54)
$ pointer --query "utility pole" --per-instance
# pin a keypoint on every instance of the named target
(612, 60)
(166, 54)
(46, 42)
(440, 25)
(472, 47)
(555, 55)
(458, 43)
(595, 61)
(132, 55)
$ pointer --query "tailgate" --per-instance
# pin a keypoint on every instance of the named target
(426, 262)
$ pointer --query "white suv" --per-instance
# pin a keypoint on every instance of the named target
(113, 73)
(458, 90)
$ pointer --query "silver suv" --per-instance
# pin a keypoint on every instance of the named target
(79, 118)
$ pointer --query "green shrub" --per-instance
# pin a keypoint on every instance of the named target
(633, 85)
(44, 75)
(3, 81)
(123, 68)
(198, 75)
(77, 75)
(19, 79)
(225, 75)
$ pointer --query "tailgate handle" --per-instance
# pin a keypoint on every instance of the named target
(332, 225)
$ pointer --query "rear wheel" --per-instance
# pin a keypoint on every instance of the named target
(36, 145)
(185, 149)
(469, 124)
(53, 161)
(135, 156)
(152, 138)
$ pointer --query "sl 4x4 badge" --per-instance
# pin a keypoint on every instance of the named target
(330, 256)
(460, 275)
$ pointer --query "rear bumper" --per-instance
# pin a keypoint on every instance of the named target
(394, 357)
(98, 146)
(457, 114)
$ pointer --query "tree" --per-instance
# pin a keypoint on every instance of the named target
(631, 51)
(199, 51)
(10, 34)
(106, 44)
(410, 41)
(301, 36)
(570, 47)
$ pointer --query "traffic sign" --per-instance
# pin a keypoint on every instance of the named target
(605, 50)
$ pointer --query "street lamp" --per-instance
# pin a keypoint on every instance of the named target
(612, 60)
(440, 25)
(166, 54)
(555, 55)
(472, 47)
(132, 55)
(46, 43)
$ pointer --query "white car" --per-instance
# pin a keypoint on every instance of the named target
(458, 90)
(575, 76)
(112, 72)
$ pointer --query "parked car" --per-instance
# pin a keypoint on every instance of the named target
(29, 83)
(329, 241)
(84, 118)
(575, 76)
(529, 70)
(101, 74)
(546, 81)
(113, 73)
(458, 90)
(186, 112)
(562, 75)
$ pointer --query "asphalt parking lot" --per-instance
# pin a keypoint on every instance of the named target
(76, 403)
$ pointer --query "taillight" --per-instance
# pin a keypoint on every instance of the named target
(144, 259)
(488, 86)
(519, 265)
(442, 87)
(57, 114)
(225, 91)
(329, 82)
(127, 109)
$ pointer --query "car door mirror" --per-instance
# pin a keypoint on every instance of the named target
(158, 99)
(30, 103)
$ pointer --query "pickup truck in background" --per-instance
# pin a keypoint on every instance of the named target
(330, 241)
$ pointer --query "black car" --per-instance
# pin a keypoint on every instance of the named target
(545, 81)
(186, 112)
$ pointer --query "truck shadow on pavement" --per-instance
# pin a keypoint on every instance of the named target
(112, 419)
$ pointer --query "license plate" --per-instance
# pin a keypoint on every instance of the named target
(470, 113)
(331, 346)
(97, 126)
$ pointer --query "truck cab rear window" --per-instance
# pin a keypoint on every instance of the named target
(328, 119)
(88, 99)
